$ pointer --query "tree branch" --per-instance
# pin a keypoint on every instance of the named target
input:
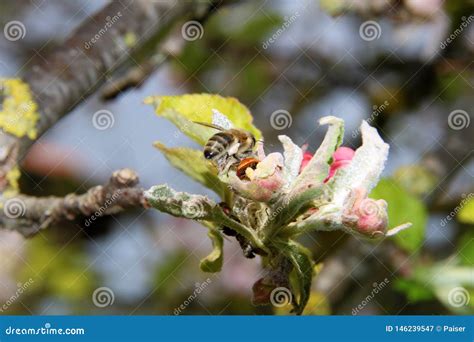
(28, 215)
(100, 45)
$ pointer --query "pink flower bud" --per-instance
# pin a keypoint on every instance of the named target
(343, 153)
(366, 215)
(306, 159)
(341, 158)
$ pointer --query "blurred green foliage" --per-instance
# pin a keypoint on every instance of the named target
(59, 271)
(403, 207)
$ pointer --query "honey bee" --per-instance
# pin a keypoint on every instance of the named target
(228, 146)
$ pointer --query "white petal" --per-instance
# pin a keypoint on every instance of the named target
(365, 168)
(293, 158)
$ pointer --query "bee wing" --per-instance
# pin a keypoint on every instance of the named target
(221, 120)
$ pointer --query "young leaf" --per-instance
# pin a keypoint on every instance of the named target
(403, 207)
(289, 207)
(182, 110)
(180, 204)
(193, 164)
(466, 249)
(318, 167)
(303, 264)
(199, 208)
(213, 262)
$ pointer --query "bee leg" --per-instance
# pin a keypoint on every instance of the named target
(231, 161)
(246, 247)
(228, 231)
(222, 163)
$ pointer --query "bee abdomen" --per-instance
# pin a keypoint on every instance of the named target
(217, 145)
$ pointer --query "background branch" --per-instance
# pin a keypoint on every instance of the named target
(28, 214)
(74, 70)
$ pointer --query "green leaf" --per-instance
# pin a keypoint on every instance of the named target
(403, 207)
(413, 290)
(289, 207)
(303, 264)
(67, 277)
(199, 208)
(182, 110)
(466, 249)
(213, 262)
(466, 214)
(192, 163)
(453, 285)
(180, 204)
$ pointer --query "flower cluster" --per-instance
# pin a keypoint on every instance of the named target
(270, 203)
